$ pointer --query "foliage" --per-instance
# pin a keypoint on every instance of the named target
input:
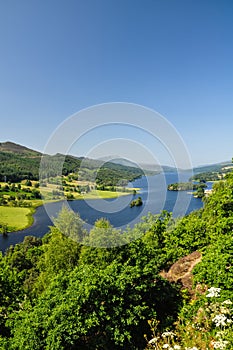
(90, 297)
(111, 174)
(185, 186)
(15, 167)
(18, 163)
(91, 309)
(206, 321)
(209, 325)
(200, 193)
(207, 176)
(104, 290)
(136, 202)
(70, 224)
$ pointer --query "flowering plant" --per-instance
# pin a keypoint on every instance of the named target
(210, 327)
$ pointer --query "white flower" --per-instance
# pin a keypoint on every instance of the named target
(220, 344)
(165, 346)
(227, 302)
(194, 348)
(154, 340)
(220, 334)
(213, 292)
(224, 310)
(168, 334)
(220, 320)
(177, 347)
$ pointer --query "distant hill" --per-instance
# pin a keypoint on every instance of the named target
(212, 172)
(12, 147)
(146, 167)
(158, 168)
(118, 160)
(212, 167)
(18, 163)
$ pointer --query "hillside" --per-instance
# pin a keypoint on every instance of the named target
(11, 147)
(212, 172)
(18, 163)
(212, 167)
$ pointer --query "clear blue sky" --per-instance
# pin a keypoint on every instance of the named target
(174, 56)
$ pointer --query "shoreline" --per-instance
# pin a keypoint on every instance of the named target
(38, 230)
(93, 195)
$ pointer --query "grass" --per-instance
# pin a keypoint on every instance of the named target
(93, 194)
(97, 194)
(16, 218)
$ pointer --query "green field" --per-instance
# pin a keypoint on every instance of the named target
(97, 194)
(15, 218)
(18, 218)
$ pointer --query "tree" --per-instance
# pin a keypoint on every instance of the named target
(200, 192)
(70, 224)
(28, 183)
(60, 255)
(94, 308)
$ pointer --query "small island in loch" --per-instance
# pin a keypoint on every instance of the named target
(136, 202)
(199, 189)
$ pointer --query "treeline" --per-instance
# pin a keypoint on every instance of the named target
(208, 176)
(104, 290)
(15, 194)
(111, 174)
(15, 167)
(185, 186)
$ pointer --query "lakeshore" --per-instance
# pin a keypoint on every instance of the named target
(117, 211)
(19, 218)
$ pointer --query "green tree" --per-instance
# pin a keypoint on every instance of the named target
(28, 183)
(70, 224)
(60, 255)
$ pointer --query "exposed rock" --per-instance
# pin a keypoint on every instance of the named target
(181, 271)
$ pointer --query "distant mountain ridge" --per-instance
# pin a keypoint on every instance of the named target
(16, 148)
(147, 167)
(19, 162)
(27, 162)
(212, 167)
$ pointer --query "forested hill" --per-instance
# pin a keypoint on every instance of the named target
(212, 172)
(18, 163)
(213, 168)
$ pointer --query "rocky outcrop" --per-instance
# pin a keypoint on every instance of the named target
(181, 271)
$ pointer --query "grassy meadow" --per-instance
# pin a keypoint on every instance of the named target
(16, 218)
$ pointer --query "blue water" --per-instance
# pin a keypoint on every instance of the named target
(153, 193)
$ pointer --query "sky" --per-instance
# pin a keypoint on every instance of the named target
(172, 56)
